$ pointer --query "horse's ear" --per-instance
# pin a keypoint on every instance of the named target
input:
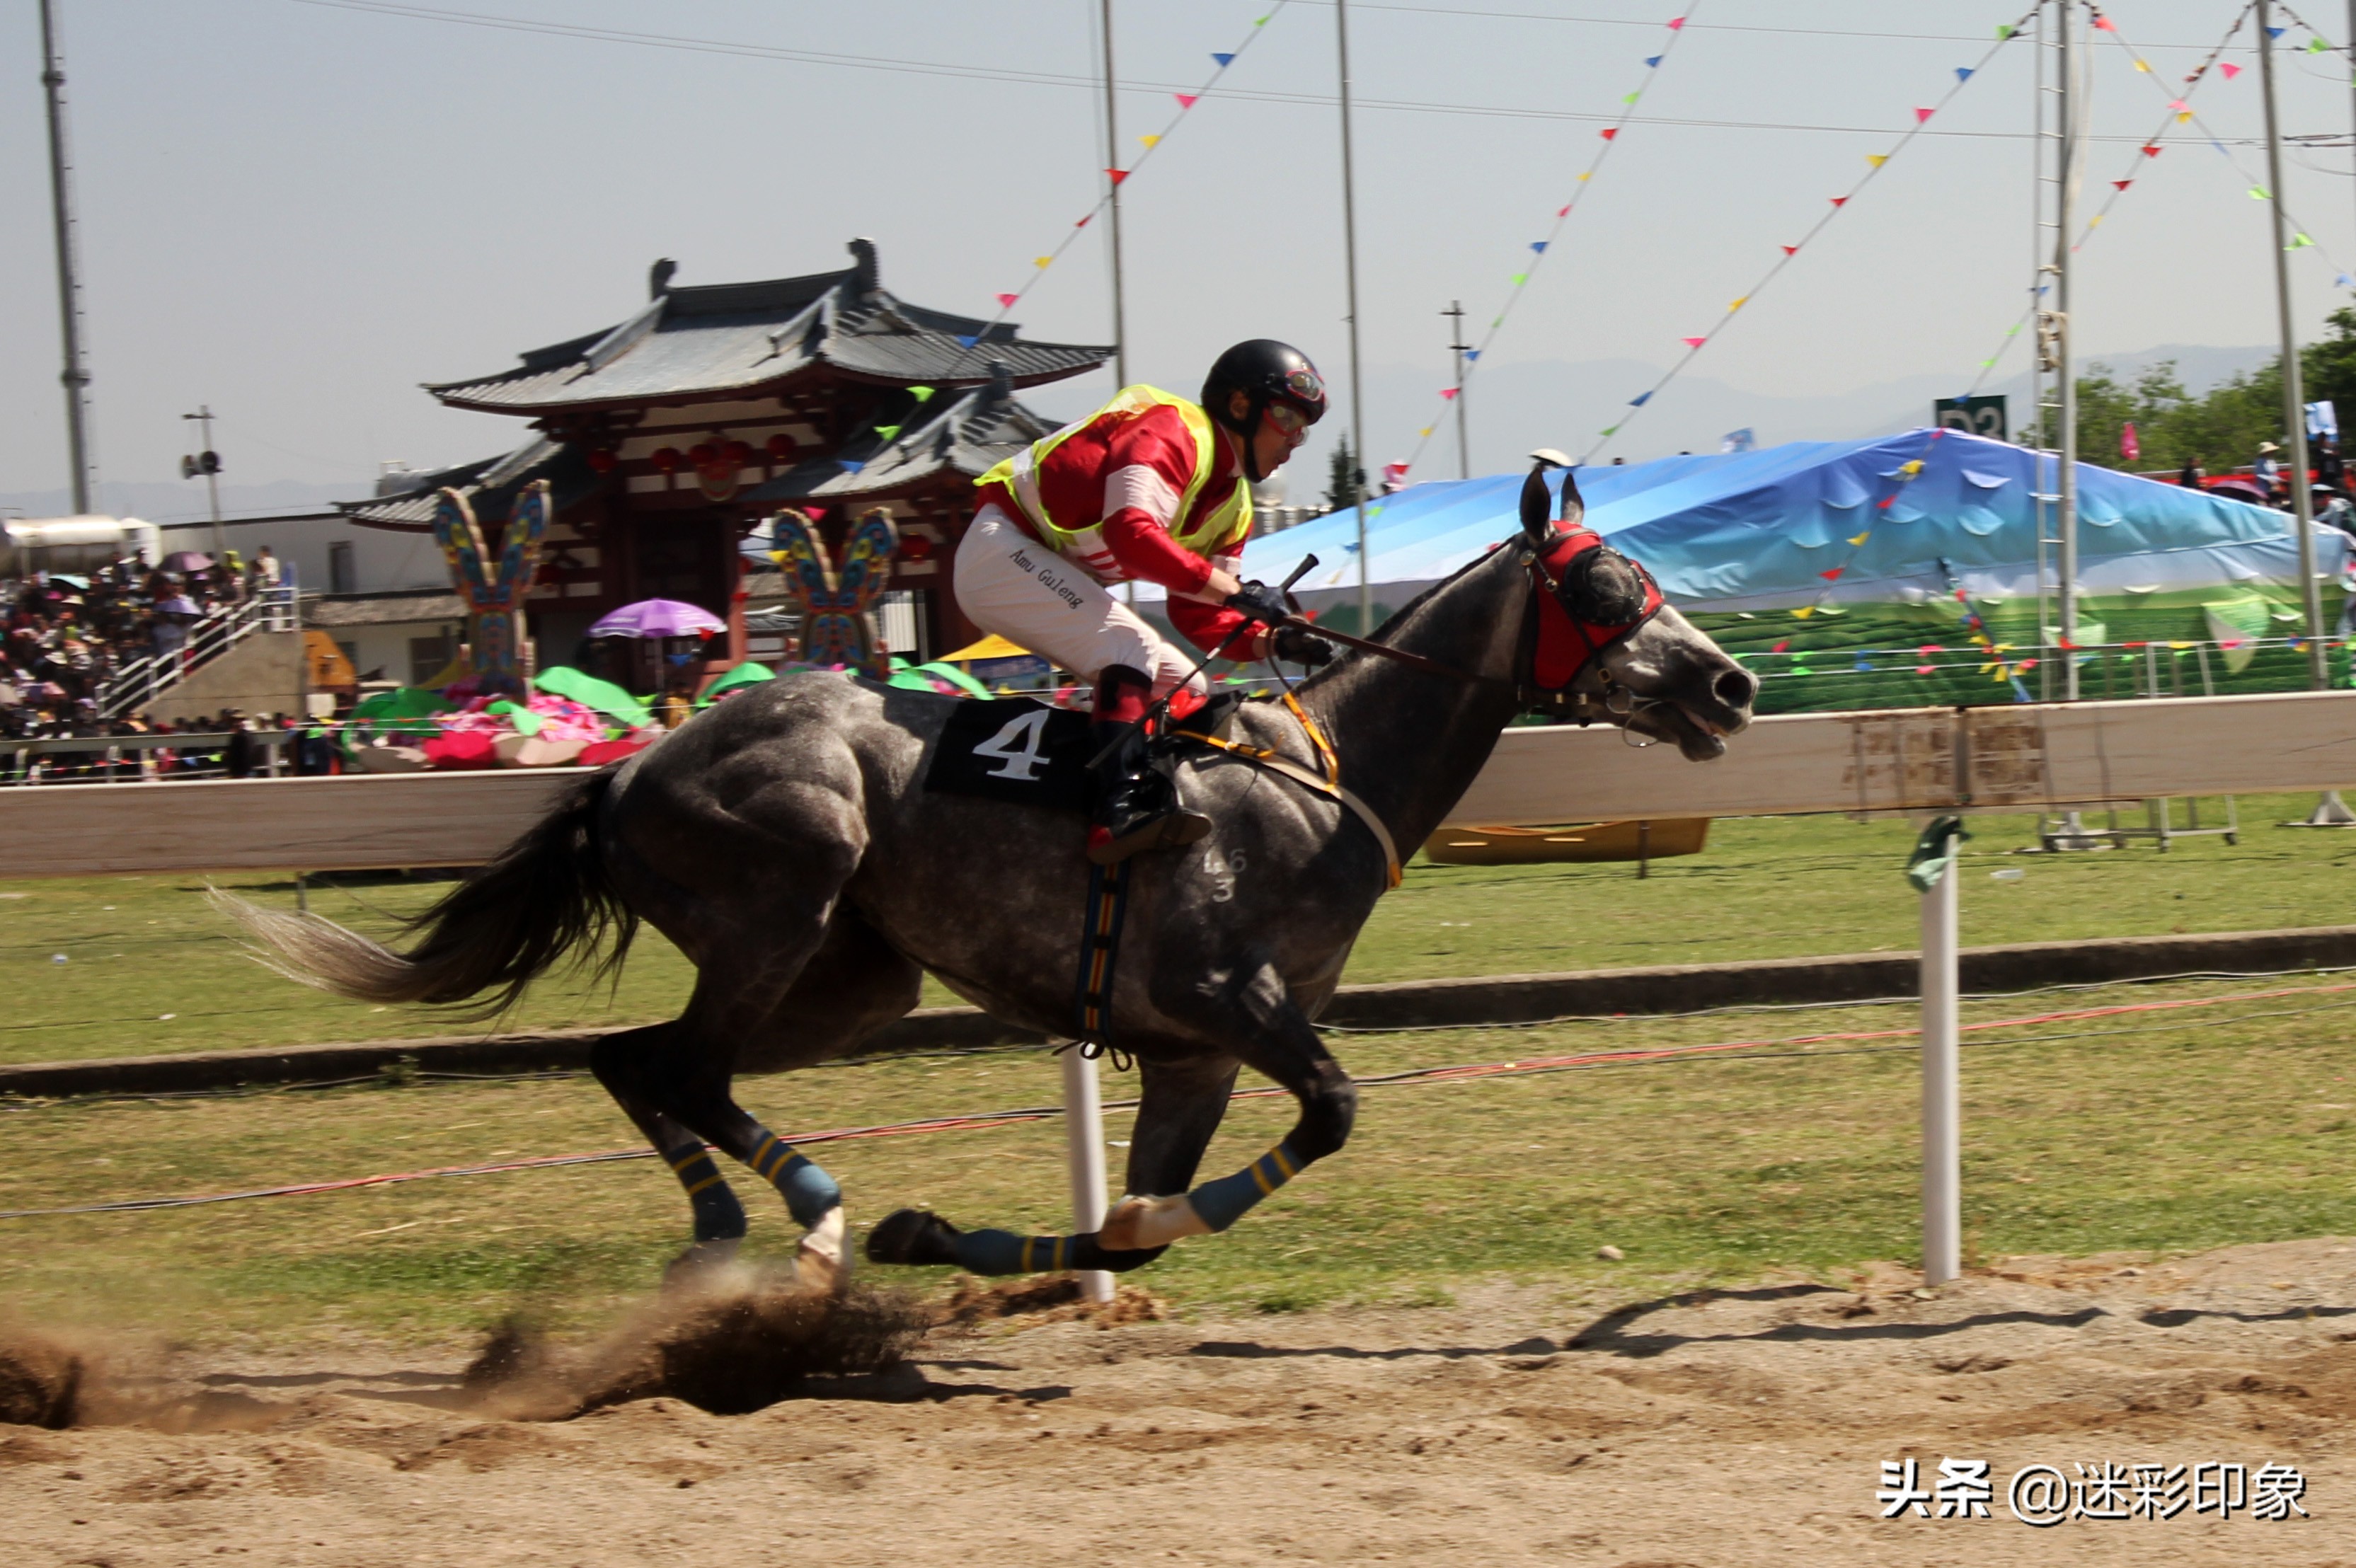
(1574, 505)
(1535, 508)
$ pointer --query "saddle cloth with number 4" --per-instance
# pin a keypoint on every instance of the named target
(1015, 750)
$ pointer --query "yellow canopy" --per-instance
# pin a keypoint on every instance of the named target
(992, 646)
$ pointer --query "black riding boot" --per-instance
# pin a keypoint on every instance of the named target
(1136, 803)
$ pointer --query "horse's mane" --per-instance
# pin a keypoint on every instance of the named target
(1380, 633)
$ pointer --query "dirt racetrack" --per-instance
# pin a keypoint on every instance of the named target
(1738, 1428)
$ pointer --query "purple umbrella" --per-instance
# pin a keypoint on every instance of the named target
(185, 561)
(658, 618)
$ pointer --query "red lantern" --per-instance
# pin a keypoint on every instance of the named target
(601, 460)
(701, 454)
(737, 454)
(780, 446)
(916, 548)
(667, 460)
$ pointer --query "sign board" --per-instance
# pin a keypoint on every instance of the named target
(1977, 416)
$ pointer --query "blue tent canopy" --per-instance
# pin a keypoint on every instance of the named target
(1813, 522)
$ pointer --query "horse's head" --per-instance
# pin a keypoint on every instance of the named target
(1611, 648)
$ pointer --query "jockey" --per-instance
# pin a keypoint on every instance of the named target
(1148, 486)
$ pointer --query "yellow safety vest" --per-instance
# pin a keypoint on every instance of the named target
(1020, 474)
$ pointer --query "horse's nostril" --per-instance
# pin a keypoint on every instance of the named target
(1736, 688)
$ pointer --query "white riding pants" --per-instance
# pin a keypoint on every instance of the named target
(1010, 583)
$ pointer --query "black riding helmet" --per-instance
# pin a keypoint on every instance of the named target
(1268, 372)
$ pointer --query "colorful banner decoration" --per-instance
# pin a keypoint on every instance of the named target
(493, 591)
(1519, 281)
(838, 624)
(1115, 178)
(1875, 163)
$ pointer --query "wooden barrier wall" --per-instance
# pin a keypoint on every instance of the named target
(2013, 757)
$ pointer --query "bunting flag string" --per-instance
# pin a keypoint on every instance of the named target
(1114, 178)
(1518, 282)
(2179, 110)
(2300, 239)
(1875, 163)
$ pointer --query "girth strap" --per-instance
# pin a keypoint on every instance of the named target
(1330, 787)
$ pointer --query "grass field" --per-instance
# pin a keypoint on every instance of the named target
(148, 967)
(2155, 1130)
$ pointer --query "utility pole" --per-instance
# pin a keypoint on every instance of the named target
(1458, 345)
(1112, 174)
(2294, 394)
(207, 462)
(1350, 262)
(2066, 201)
(75, 378)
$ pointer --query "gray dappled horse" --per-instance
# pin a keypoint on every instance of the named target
(785, 842)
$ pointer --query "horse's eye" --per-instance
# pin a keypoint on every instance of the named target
(1603, 588)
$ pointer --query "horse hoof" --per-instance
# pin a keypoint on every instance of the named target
(912, 1236)
(696, 1266)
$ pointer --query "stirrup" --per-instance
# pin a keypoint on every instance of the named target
(1176, 827)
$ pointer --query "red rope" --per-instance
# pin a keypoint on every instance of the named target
(981, 1122)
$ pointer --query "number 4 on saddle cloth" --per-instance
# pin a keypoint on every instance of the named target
(1015, 750)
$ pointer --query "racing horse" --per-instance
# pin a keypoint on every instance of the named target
(785, 842)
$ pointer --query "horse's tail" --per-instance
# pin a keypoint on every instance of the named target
(499, 931)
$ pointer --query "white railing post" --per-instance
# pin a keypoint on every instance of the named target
(1935, 872)
(1083, 1143)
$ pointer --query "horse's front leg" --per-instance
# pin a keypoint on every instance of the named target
(1252, 1007)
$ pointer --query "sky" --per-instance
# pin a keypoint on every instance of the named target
(298, 210)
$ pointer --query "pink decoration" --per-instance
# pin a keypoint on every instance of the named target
(1008, 299)
(1693, 342)
(1678, 22)
(1186, 100)
(1920, 115)
(2231, 69)
(1448, 392)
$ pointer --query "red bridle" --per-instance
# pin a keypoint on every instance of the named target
(1566, 641)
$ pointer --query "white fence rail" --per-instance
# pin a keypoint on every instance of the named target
(143, 680)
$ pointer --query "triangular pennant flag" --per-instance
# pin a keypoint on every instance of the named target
(1877, 159)
(1791, 250)
(2316, 46)
(1963, 73)
(1675, 23)
(1839, 200)
(1118, 174)
(1539, 246)
(1920, 115)
(1651, 60)
(2183, 117)
(1640, 400)
(2271, 32)
(1779, 647)
(1804, 611)
(1610, 430)
(1449, 393)
(1007, 301)
(1693, 342)
(848, 464)
(1518, 279)
(2004, 30)
(1734, 305)
(1582, 180)
(2231, 69)
(1633, 97)
(887, 430)
(1224, 60)
(1472, 354)
(1263, 21)
(1563, 211)
(1150, 142)
(1608, 134)
(2121, 185)
(1910, 469)
(1187, 100)
(2141, 65)
(921, 394)
(1040, 261)
(2258, 193)
(2343, 281)
(2178, 103)
(1861, 539)
(1425, 433)
(2151, 152)
(1832, 575)
(2299, 242)
(967, 339)
(2104, 23)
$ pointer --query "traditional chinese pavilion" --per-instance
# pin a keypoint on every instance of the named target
(667, 439)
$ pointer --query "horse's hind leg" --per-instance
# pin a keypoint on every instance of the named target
(623, 1064)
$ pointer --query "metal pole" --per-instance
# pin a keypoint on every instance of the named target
(2065, 204)
(2294, 394)
(1084, 1141)
(1457, 345)
(1112, 163)
(204, 418)
(1942, 1181)
(1350, 260)
(75, 378)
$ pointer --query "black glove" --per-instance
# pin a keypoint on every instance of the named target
(1261, 604)
(1296, 646)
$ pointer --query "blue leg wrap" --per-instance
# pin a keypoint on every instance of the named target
(1225, 1200)
(1003, 1251)
(807, 1190)
(718, 1216)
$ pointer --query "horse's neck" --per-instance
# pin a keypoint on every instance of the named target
(1410, 742)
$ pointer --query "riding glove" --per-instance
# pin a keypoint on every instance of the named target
(1261, 604)
(1294, 645)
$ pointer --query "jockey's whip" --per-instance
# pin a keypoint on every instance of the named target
(1161, 704)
